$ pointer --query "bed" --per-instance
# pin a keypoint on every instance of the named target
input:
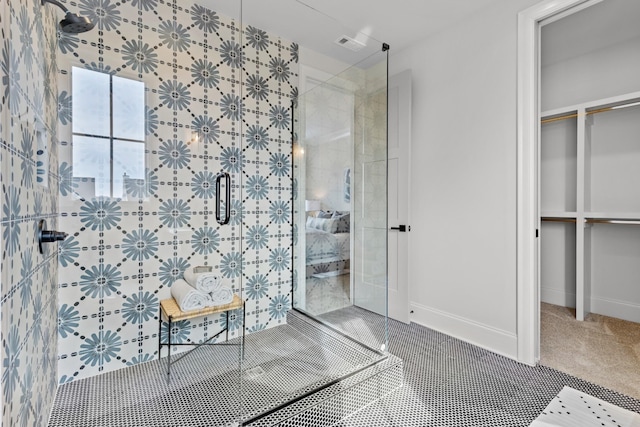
(328, 244)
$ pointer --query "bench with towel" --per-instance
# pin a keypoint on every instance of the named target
(200, 290)
(198, 294)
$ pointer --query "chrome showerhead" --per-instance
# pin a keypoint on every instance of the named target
(71, 23)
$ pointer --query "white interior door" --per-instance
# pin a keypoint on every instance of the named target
(399, 128)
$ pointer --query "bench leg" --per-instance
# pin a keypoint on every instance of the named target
(159, 333)
(169, 355)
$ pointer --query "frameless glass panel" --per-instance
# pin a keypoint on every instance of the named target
(91, 102)
(285, 359)
(327, 130)
(210, 76)
(371, 194)
(341, 170)
(128, 109)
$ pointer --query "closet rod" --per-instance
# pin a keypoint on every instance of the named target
(574, 115)
(557, 119)
(613, 221)
(556, 219)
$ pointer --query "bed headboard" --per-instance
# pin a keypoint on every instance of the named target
(330, 221)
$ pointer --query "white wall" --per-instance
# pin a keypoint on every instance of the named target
(317, 66)
(463, 212)
(591, 76)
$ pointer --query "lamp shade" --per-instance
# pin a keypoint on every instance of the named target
(312, 205)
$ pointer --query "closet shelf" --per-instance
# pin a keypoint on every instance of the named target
(613, 221)
(558, 214)
(613, 215)
(590, 165)
(592, 107)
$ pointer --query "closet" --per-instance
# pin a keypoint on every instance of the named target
(589, 161)
(590, 207)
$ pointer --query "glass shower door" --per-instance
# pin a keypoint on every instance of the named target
(341, 200)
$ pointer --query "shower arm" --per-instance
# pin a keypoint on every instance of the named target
(55, 2)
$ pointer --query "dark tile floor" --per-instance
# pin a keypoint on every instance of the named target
(447, 382)
(452, 383)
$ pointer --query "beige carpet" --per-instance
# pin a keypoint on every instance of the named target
(601, 350)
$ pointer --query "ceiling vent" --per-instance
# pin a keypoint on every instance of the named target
(350, 43)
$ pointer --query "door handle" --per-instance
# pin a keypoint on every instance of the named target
(227, 203)
(401, 228)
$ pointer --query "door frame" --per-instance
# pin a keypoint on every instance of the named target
(528, 138)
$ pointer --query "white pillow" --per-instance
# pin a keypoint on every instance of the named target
(323, 224)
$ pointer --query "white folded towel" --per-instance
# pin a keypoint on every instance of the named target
(222, 296)
(188, 297)
(205, 282)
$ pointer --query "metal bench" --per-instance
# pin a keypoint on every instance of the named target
(171, 311)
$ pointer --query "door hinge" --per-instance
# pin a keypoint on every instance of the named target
(537, 233)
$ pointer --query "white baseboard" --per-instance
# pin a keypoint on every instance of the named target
(604, 306)
(614, 308)
(484, 336)
(557, 297)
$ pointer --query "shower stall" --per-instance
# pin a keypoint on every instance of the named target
(216, 134)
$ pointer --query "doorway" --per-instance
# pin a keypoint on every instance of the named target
(576, 273)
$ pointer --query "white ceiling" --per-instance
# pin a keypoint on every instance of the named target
(398, 22)
(317, 23)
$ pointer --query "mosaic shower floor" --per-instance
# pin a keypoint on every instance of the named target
(204, 389)
(447, 382)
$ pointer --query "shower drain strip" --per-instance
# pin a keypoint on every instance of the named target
(254, 373)
(321, 388)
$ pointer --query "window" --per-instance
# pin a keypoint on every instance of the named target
(108, 133)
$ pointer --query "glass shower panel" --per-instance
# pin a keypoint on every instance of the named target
(341, 200)
(370, 281)
(215, 134)
(325, 128)
(290, 350)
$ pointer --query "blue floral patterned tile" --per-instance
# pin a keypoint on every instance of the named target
(129, 31)
(67, 367)
(27, 290)
(200, 98)
(261, 319)
(12, 404)
(69, 336)
(100, 350)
